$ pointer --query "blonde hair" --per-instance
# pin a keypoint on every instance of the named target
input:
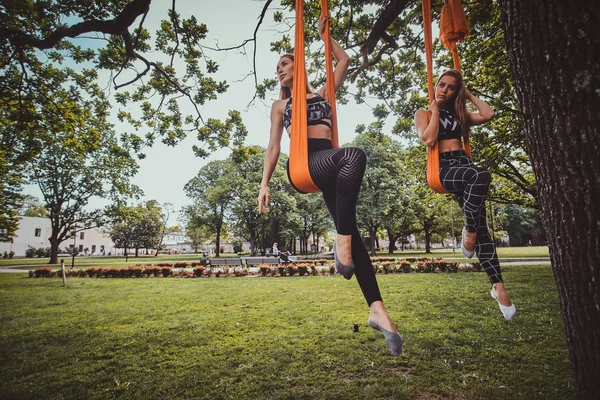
(459, 107)
(286, 92)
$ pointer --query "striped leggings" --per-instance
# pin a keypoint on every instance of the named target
(338, 173)
(470, 184)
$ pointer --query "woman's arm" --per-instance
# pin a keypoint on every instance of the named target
(342, 58)
(271, 155)
(428, 124)
(484, 111)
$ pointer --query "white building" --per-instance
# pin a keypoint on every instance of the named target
(35, 232)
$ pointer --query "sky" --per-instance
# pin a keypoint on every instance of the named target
(165, 170)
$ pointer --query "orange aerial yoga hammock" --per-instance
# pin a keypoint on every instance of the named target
(453, 28)
(298, 161)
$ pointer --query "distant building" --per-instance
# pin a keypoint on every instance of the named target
(36, 231)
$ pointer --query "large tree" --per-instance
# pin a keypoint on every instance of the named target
(81, 159)
(384, 192)
(152, 77)
(554, 49)
(212, 192)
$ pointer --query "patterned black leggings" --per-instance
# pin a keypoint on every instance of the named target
(470, 184)
(338, 173)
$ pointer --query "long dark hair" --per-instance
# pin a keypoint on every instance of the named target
(286, 92)
(459, 106)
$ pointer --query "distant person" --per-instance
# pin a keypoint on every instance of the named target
(275, 250)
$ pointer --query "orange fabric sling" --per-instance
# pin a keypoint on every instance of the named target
(453, 28)
(298, 161)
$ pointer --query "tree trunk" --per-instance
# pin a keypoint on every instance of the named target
(554, 49)
(427, 224)
(218, 242)
(252, 244)
(392, 240)
(372, 241)
(54, 243)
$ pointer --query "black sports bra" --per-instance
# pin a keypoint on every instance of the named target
(318, 110)
(449, 126)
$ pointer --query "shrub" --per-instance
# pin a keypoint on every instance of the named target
(166, 271)
(92, 272)
(135, 271)
(30, 252)
(151, 271)
(45, 272)
(331, 270)
(42, 252)
(282, 270)
(11, 255)
(194, 264)
(5, 255)
(291, 270)
(183, 273)
(111, 272)
(477, 266)
(405, 266)
(430, 266)
(452, 267)
(302, 270)
(180, 265)
(165, 264)
(198, 271)
(31, 273)
(264, 269)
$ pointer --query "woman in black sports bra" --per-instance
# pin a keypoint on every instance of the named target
(447, 121)
(338, 174)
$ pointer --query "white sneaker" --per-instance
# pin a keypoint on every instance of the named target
(507, 311)
(467, 253)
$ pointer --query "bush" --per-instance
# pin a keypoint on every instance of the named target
(180, 265)
(45, 272)
(166, 264)
(291, 270)
(151, 271)
(302, 270)
(42, 252)
(11, 255)
(135, 271)
(405, 266)
(92, 272)
(111, 272)
(30, 252)
(282, 270)
(198, 271)
(264, 269)
(166, 271)
(477, 266)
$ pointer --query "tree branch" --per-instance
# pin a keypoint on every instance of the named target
(114, 26)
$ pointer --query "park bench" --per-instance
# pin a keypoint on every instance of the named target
(236, 262)
(261, 260)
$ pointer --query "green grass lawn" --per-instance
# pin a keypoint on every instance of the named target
(280, 338)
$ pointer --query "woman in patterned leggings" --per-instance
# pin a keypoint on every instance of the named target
(338, 173)
(447, 121)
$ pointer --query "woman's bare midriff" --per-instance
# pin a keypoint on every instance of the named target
(317, 131)
(449, 145)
